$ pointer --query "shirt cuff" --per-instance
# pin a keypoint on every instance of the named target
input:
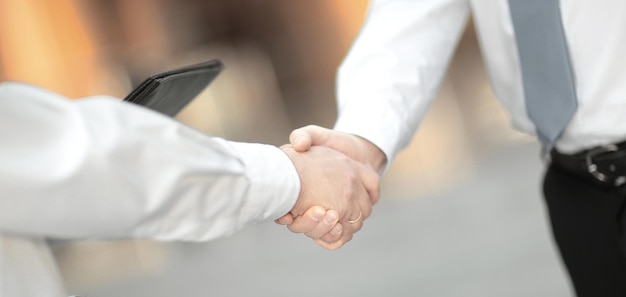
(274, 181)
(377, 122)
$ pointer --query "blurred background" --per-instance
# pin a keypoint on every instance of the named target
(460, 214)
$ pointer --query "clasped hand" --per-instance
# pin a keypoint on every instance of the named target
(339, 184)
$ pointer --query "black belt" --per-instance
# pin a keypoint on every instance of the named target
(603, 165)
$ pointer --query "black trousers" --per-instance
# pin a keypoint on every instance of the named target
(586, 220)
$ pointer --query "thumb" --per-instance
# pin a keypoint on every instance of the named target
(301, 139)
(287, 219)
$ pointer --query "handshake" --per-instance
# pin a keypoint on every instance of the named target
(339, 184)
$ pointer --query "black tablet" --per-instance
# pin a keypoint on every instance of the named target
(169, 92)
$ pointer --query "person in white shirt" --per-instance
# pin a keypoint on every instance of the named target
(393, 71)
(99, 168)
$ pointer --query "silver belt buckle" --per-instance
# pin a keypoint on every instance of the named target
(592, 168)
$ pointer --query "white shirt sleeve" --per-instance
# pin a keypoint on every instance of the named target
(395, 67)
(101, 168)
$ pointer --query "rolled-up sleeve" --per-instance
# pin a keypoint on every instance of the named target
(101, 168)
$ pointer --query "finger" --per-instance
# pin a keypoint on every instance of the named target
(360, 210)
(303, 138)
(307, 221)
(325, 225)
(354, 222)
(361, 205)
(356, 226)
(329, 246)
(335, 241)
(371, 182)
(284, 220)
(345, 237)
(334, 234)
(300, 139)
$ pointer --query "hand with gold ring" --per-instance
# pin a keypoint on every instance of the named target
(356, 148)
(327, 213)
(357, 219)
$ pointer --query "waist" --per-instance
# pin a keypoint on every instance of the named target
(602, 165)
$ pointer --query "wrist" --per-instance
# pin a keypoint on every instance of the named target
(292, 154)
(374, 156)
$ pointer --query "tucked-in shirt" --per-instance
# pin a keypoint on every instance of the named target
(99, 168)
(394, 69)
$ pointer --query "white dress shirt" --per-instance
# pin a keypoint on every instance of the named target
(398, 61)
(104, 169)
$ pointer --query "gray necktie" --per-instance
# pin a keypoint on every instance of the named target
(546, 71)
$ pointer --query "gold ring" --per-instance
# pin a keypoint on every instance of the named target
(357, 219)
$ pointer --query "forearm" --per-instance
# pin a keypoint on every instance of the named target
(104, 169)
(394, 69)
